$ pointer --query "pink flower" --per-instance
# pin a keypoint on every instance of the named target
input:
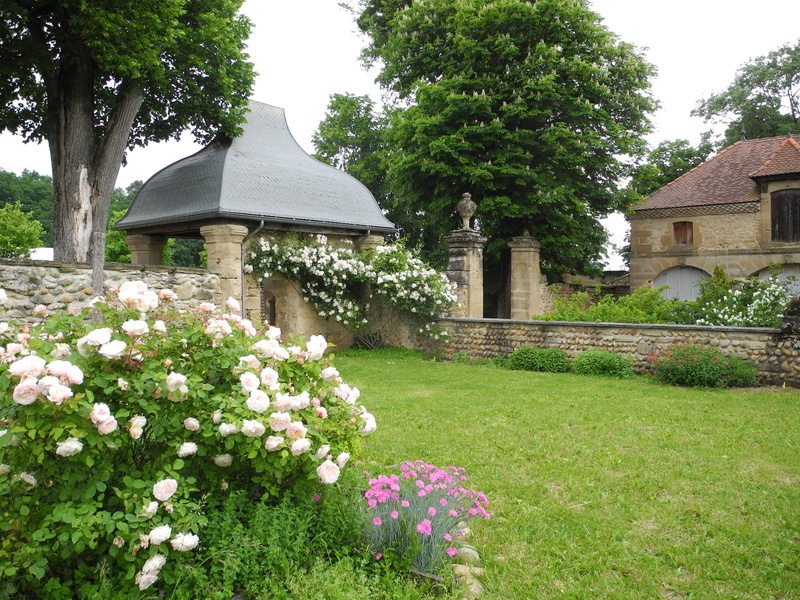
(322, 412)
(100, 413)
(453, 513)
(296, 429)
(135, 327)
(316, 347)
(233, 304)
(175, 381)
(317, 498)
(58, 368)
(377, 522)
(58, 393)
(447, 536)
(31, 365)
(404, 503)
(432, 511)
(206, 306)
(164, 489)
(300, 446)
(26, 392)
(422, 493)
(394, 514)
(113, 349)
(269, 378)
(443, 501)
(378, 556)
(425, 527)
(258, 401)
(252, 428)
(328, 472)
(74, 375)
(451, 551)
(107, 426)
(279, 421)
(191, 424)
(273, 442)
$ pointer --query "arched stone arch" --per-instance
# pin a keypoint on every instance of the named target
(682, 282)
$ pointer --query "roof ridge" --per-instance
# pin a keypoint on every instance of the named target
(778, 152)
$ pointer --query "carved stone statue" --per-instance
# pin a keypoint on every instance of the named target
(466, 208)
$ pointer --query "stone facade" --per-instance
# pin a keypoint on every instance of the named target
(57, 285)
(776, 354)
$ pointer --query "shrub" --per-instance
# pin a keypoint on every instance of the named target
(700, 365)
(602, 362)
(116, 435)
(412, 517)
(530, 358)
(644, 305)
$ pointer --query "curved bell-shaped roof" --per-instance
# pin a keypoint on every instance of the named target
(261, 175)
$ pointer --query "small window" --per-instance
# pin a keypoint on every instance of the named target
(682, 233)
(786, 215)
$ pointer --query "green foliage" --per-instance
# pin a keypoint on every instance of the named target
(352, 137)
(34, 194)
(532, 107)
(668, 161)
(530, 358)
(335, 278)
(18, 233)
(700, 365)
(117, 434)
(762, 101)
(116, 248)
(602, 362)
(644, 305)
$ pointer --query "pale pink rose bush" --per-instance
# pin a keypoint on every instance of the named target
(413, 513)
(132, 416)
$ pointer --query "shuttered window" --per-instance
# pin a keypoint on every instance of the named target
(682, 233)
(786, 215)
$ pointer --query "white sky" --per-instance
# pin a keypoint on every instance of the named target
(305, 50)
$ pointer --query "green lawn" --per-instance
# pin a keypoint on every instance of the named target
(602, 488)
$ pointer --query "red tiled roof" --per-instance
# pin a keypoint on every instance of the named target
(786, 159)
(726, 177)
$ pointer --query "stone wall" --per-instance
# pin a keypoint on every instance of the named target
(57, 285)
(775, 354)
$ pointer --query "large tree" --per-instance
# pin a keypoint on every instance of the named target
(762, 101)
(667, 161)
(96, 78)
(535, 108)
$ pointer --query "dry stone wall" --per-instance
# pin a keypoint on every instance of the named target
(29, 283)
(776, 354)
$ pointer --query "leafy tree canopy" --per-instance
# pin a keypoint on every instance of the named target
(34, 194)
(19, 234)
(97, 78)
(532, 107)
(667, 161)
(352, 137)
(762, 101)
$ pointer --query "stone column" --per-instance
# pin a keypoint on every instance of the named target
(526, 278)
(146, 249)
(224, 248)
(465, 269)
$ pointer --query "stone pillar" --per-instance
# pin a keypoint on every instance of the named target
(465, 269)
(526, 278)
(224, 248)
(146, 249)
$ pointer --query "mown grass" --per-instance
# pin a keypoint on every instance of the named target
(602, 488)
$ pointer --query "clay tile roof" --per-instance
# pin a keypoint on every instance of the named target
(261, 175)
(726, 177)
(784, 161)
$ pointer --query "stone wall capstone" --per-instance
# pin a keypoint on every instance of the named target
(29, 283)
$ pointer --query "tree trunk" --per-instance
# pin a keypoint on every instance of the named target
(86, 158)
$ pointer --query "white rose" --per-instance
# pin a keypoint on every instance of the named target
(183, 542)
(154, 563)
(150, 510)
(296, 429)
(175, 381)
(58, 393)
(250, 361)
(223, 460)
(279, 421)
(58, 368)
(164, 489)
(316, 347)
(135, 327)
(145, 580)
(273, 442)
(159, 535)
(31, 365)
(26, 392)
(323, 451)
(233, 304)
(283, 401)
(187, 449)
(191, 424)
(369, 424)
(100, 413)
(269, 378)
(107, 426)
(27, 478)
(249, 381)
(252, 428)
(342, 459)
(74, 375)
(4, 469)
(226, 429)
(300, 446)
(329, 374)
(113, 349)
(217, 416)
(69, 447)
(98, 337)
(328, 472)
(258, 401)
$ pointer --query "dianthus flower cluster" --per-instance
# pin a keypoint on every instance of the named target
(161, 407)
(332, 277)
(418, 510)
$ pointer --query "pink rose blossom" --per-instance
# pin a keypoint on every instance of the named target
(113, 349)
(328, 472)
(273, 442)
(250, 361)
(252, 428)
(322, 412)
(164, 489)
(316, 347)
(296, 429)
(322, 451)
(269, 378)
(100, 413)
(258, 401)
(59, 368)
(26, 392)
(279, 421)
(249, 382)
(342, 459)
(175, 381)
(233, 304)
(329, 374)
(283, 401)
(300, 446)
(206, 307)
(135, 327)
(191, 424)
(369, 423)
(31, 366)
(74, 375)
(58, 393)
(107, 426)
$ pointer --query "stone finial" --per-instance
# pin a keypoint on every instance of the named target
(466, 208)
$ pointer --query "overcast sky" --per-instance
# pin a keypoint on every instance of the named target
(305, 50)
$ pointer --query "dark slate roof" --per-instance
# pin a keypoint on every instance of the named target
(727, 178)
(263, 174)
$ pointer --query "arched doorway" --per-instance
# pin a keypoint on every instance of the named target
(788, 273)
(682, 281)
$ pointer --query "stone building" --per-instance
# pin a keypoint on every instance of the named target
(740, 210)
(235, 189)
